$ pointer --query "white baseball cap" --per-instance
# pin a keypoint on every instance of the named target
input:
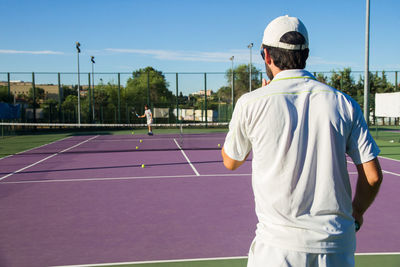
(281, 25)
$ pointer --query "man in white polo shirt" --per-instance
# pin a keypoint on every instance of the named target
(300, 131)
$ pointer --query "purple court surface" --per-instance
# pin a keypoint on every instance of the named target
(88, 200)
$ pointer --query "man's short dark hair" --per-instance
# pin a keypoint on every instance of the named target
(289, 59)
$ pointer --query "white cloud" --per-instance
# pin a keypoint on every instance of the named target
(318, 61)
(241, 56)
(43, 52)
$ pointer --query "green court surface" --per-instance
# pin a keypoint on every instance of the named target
(388, 140)
(361, 260)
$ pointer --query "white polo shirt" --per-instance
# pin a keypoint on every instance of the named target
(149, 119)
(300, 131)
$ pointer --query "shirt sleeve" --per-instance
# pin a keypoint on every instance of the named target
(237, 144)
(361, 147)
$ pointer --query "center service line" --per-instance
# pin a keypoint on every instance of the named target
(46, 158)
(183, 152)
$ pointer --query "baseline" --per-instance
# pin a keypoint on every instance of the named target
(201, 259)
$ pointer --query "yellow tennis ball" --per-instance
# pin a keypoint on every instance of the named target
(143, 166)
(140, 140)
(219, 145)
(137, 147)
(133, 132)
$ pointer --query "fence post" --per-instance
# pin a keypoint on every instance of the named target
(60, 97)
(395, 81)
(148, 88)
(233, 91)
(261, 77)
(205, 97)
(34, 97)
(8, 86)
(90, 98)
(119, 98)
(177, 102)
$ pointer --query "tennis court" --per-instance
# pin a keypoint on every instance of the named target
(86, 200)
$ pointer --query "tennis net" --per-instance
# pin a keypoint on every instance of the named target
(16, 137)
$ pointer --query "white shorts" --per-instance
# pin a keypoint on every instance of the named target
(262, 255)
(149, 122)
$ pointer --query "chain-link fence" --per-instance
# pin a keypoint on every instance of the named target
(173, 97)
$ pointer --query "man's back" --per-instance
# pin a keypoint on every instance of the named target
(299, 130)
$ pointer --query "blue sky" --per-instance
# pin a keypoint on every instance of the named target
(187, 35)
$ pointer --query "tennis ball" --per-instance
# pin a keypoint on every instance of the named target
(133, 132)
(143, 166)
(219, 145)
(140, 140)
(137, 147)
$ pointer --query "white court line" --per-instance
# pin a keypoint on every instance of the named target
(384, 171)
(122, 178)
(46, 158)
(393, 173)
(35, 147)
(389, 158)
(199, 259)
(155, 261)
(188, 160)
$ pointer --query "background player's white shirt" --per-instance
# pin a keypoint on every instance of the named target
(300, 131)
(147, 112)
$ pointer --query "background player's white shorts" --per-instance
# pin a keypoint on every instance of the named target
(262, 255)
(149, 122)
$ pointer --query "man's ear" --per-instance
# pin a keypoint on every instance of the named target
(268, 59)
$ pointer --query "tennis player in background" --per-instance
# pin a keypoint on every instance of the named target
(149, 118)
(299, 131)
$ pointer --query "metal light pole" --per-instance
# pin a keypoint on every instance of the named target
(250, 46)
(79, 85)
(366, 71)
(231, 58)
(93, 62)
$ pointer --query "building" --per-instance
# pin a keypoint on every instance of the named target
(50, 90)
(201, 93)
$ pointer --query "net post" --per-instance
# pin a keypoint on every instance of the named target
(205, 97)
(119, 98)
(8, 87)
(395, 81)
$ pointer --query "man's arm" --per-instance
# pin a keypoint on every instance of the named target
(369, 180)
(230, 163)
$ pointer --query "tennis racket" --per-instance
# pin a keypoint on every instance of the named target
(134, 112)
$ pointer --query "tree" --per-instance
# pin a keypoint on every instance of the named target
(241, 81)
(50, 110)
(137, 89)
(69, 107)
(322, 78)
(4, 94)
(39, 95)
(225, 94)
(343, 81)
